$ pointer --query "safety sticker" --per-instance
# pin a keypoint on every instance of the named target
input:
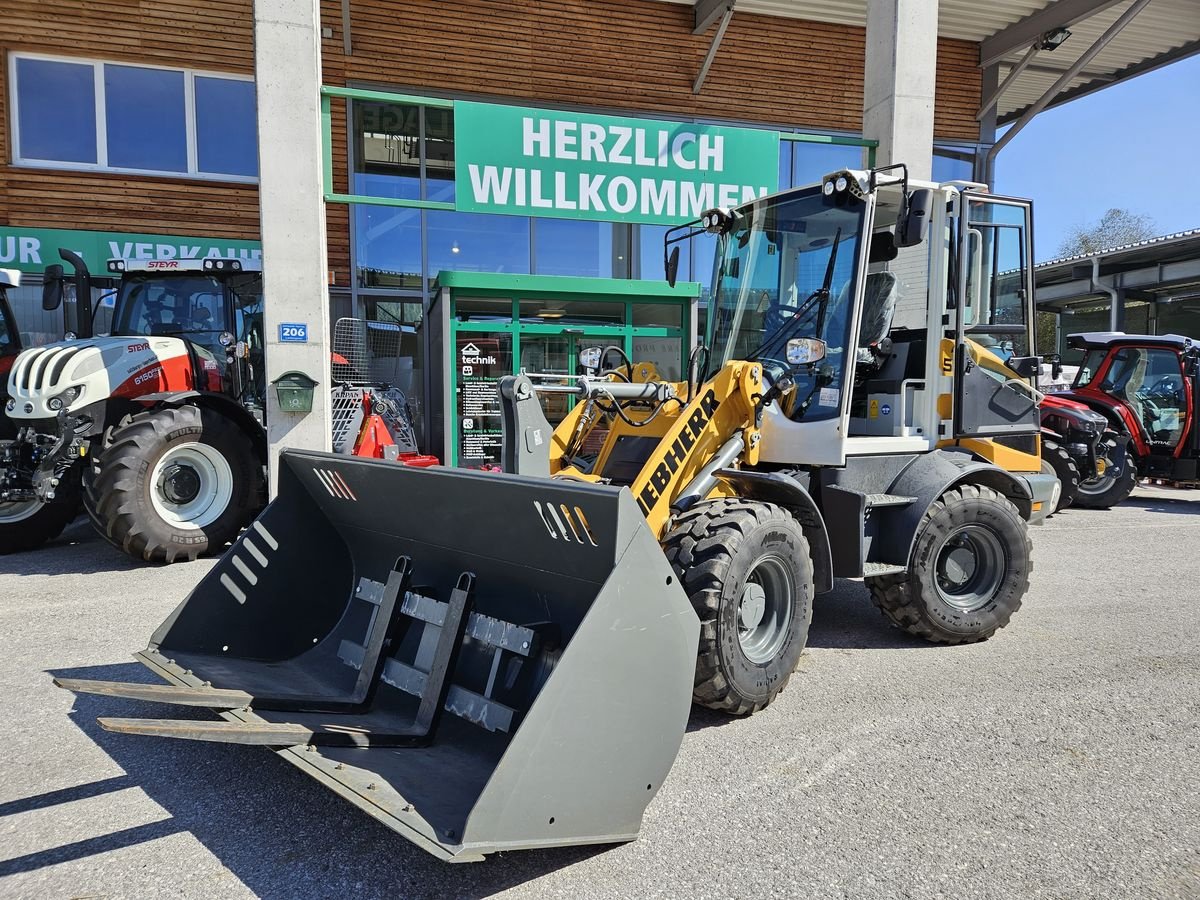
(829, 397)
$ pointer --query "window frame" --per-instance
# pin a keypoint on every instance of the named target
(193, 173)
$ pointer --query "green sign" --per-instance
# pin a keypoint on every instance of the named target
(32, 249)
(537, 162)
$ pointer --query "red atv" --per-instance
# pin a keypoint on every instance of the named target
(1145, 386)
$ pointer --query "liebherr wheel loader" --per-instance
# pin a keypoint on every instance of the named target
(861, 408)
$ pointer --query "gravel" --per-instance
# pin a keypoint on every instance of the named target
(1060, 759)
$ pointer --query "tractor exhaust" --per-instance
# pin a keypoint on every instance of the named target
(476, 688)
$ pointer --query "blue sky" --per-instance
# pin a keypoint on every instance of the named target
(1134, 145)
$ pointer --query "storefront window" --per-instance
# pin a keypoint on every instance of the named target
(569, 247)
(477, 242)
(439, 155)
(137, 140)
(388, 251)
(812, 161)
(387, 162)
(953, 163)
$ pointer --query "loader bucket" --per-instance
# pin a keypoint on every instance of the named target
(480, 661)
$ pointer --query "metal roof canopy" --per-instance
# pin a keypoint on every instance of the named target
(1163, 269)
(1164, 32)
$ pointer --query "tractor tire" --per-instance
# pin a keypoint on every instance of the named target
(968, 573)
(1117, 482)
(1064, 468)
(174, 484)
(26, 526)
(747, 570)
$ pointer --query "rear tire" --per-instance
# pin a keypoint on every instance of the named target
(747, 570)
(968, 573)
(1117, 482)
(1065, 469)
(174, 484)
(26, 526)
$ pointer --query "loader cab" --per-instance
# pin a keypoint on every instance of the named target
(926, 326)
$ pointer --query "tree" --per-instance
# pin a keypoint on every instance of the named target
(1116, 227)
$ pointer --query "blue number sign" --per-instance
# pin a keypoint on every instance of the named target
(293, 332)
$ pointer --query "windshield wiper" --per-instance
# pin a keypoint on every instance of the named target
(820, 295)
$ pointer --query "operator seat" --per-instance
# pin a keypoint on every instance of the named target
(879, 308)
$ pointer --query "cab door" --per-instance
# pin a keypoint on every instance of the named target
(995, 368)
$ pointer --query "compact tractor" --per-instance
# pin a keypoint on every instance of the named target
(160, 425)
(488, 661)
(1142, 389)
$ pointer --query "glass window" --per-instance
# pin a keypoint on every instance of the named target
(144, 112)
(439, 154)
(574, 247)
(477, 242)
(388, 158)
(785, 164)
(812, 161)
(57, 111)
(1089, 367)
(953, 164)
(6, 340)
(226, 127)
(142, 116)
(650, 254)
(388, 246)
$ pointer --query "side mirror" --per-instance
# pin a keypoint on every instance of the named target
(590, 358)
(1055, 365)
(805, 351)
(672, 266)
(913, 224)
(52, 289)
(1024, 366)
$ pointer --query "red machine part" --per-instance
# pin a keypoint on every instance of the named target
(374, 437)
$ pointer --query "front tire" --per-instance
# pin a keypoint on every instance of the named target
(174, 484)
(1064, 468)
(968, 573)
(1117, 482)
(747, 570)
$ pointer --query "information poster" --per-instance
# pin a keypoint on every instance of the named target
(481, 361)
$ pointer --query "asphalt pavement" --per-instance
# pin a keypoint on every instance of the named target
(1059, 759)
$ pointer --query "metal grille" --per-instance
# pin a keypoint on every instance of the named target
(346, 404)
(370, 353)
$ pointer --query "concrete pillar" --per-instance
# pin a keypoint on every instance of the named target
(287, 59)
(900, 78)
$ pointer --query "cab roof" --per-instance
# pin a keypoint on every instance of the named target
(1120, 338)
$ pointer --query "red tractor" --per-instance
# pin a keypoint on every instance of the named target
(1145, 387)
(160, 425)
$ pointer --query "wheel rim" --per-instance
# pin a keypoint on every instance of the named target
(765, 609)
(971, 565)
(18, 511)
(191, 485)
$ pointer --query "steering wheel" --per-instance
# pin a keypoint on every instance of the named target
(1166, 387)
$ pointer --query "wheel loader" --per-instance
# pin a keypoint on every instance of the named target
(160, 426)
(493, 661)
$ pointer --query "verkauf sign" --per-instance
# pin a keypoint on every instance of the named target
(32, 249)
(538, 162)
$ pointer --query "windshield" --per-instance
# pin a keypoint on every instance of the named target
(787, 270)
(171, 305)
(1089, 367)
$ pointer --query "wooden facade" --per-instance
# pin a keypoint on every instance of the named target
(622, 55)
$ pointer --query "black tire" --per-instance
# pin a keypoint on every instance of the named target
(1117, 482)
(21, 531)
(727, 553)
(1065, 469)
(129, 506)
(920, 603)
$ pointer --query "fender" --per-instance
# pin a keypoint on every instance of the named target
(928, 477)
(775, 487)
(1118, 414)
(218, 403)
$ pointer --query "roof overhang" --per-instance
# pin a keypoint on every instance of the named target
(1164, 32)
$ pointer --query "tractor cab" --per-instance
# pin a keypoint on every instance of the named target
(1146, 386)
(10, 337)
(214, 305)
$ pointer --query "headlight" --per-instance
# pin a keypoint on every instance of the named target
(66, 398)
(11, 404)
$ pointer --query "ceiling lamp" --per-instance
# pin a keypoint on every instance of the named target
(1053, 39)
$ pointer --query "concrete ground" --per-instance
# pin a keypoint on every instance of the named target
(1060, 759)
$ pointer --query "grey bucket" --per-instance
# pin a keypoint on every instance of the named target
(567, 695)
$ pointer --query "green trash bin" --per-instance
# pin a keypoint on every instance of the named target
(294, 390)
